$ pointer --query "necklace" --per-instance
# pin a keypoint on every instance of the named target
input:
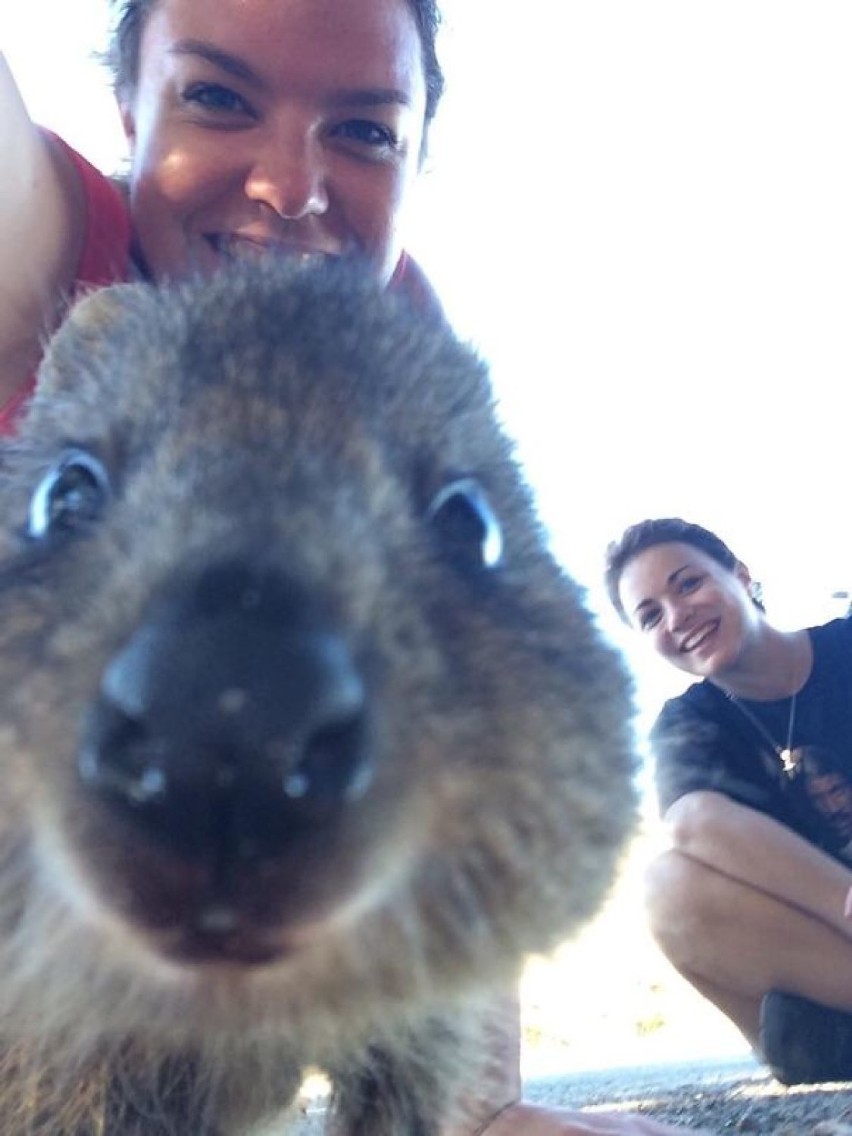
(785, 753)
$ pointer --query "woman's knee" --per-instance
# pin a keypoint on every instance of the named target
(699, 820)
(681, 907)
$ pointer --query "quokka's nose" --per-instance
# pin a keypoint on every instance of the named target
(232, 721)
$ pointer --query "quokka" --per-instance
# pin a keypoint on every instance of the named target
(307, 741)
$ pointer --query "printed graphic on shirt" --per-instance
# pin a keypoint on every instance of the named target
(830, 794)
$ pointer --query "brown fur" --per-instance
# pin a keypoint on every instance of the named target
(300, 424)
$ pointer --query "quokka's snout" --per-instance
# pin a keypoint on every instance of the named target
(307, 739)
(232, 746)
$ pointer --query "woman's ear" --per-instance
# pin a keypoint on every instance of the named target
(128, 120)
(742, 573)
(753, 587)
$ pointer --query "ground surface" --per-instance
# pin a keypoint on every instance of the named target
(610, 1026)
(730, 1097)
(716, 1097)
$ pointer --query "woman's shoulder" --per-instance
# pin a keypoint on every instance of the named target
(410, 280)
(694, 723)
(837, 634)
(831, 674)
(65, 229)
(700, 700)
(105, 253)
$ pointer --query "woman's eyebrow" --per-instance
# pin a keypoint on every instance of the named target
(670, 579)
(234, 65)
(373, 96)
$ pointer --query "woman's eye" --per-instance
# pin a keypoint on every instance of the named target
(467, 526)
(690, 583)
(73, 492)
(368, 133)
(215, 97)
(649, 621)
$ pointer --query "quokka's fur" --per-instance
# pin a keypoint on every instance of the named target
(180, 936)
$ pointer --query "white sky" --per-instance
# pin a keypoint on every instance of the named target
(641, 211)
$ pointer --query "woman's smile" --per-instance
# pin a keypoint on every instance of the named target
(700, 636)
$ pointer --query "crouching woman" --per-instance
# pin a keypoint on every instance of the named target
(754, 775)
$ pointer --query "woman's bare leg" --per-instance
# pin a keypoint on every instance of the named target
(734, 942)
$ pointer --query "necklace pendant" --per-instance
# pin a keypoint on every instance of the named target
(788, 762)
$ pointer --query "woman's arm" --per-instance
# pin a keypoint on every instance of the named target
(41, 232)
(751, 847)
(536, 1120)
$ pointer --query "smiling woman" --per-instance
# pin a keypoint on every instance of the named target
(296, 128)
(671, 580)
(754, 773)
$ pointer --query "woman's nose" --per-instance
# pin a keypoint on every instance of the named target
(290, 179)
(677, 616)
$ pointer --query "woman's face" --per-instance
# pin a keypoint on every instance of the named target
(693, 611)
(287, 125)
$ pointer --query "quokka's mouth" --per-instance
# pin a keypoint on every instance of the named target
(242, 948)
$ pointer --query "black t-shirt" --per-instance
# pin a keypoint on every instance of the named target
(703, 740)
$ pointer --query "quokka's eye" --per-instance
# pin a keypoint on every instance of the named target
(467, 525)
(73, 492)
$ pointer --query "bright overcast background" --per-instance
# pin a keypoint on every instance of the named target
(641, 213)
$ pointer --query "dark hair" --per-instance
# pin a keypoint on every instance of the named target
(662, 530)
(122, 54)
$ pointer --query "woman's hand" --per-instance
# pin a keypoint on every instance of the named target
(533, 1120)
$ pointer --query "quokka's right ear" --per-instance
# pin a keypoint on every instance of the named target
(80, 338)
(97, 309)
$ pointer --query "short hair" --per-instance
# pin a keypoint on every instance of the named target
(661, 530)
(130, 17)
